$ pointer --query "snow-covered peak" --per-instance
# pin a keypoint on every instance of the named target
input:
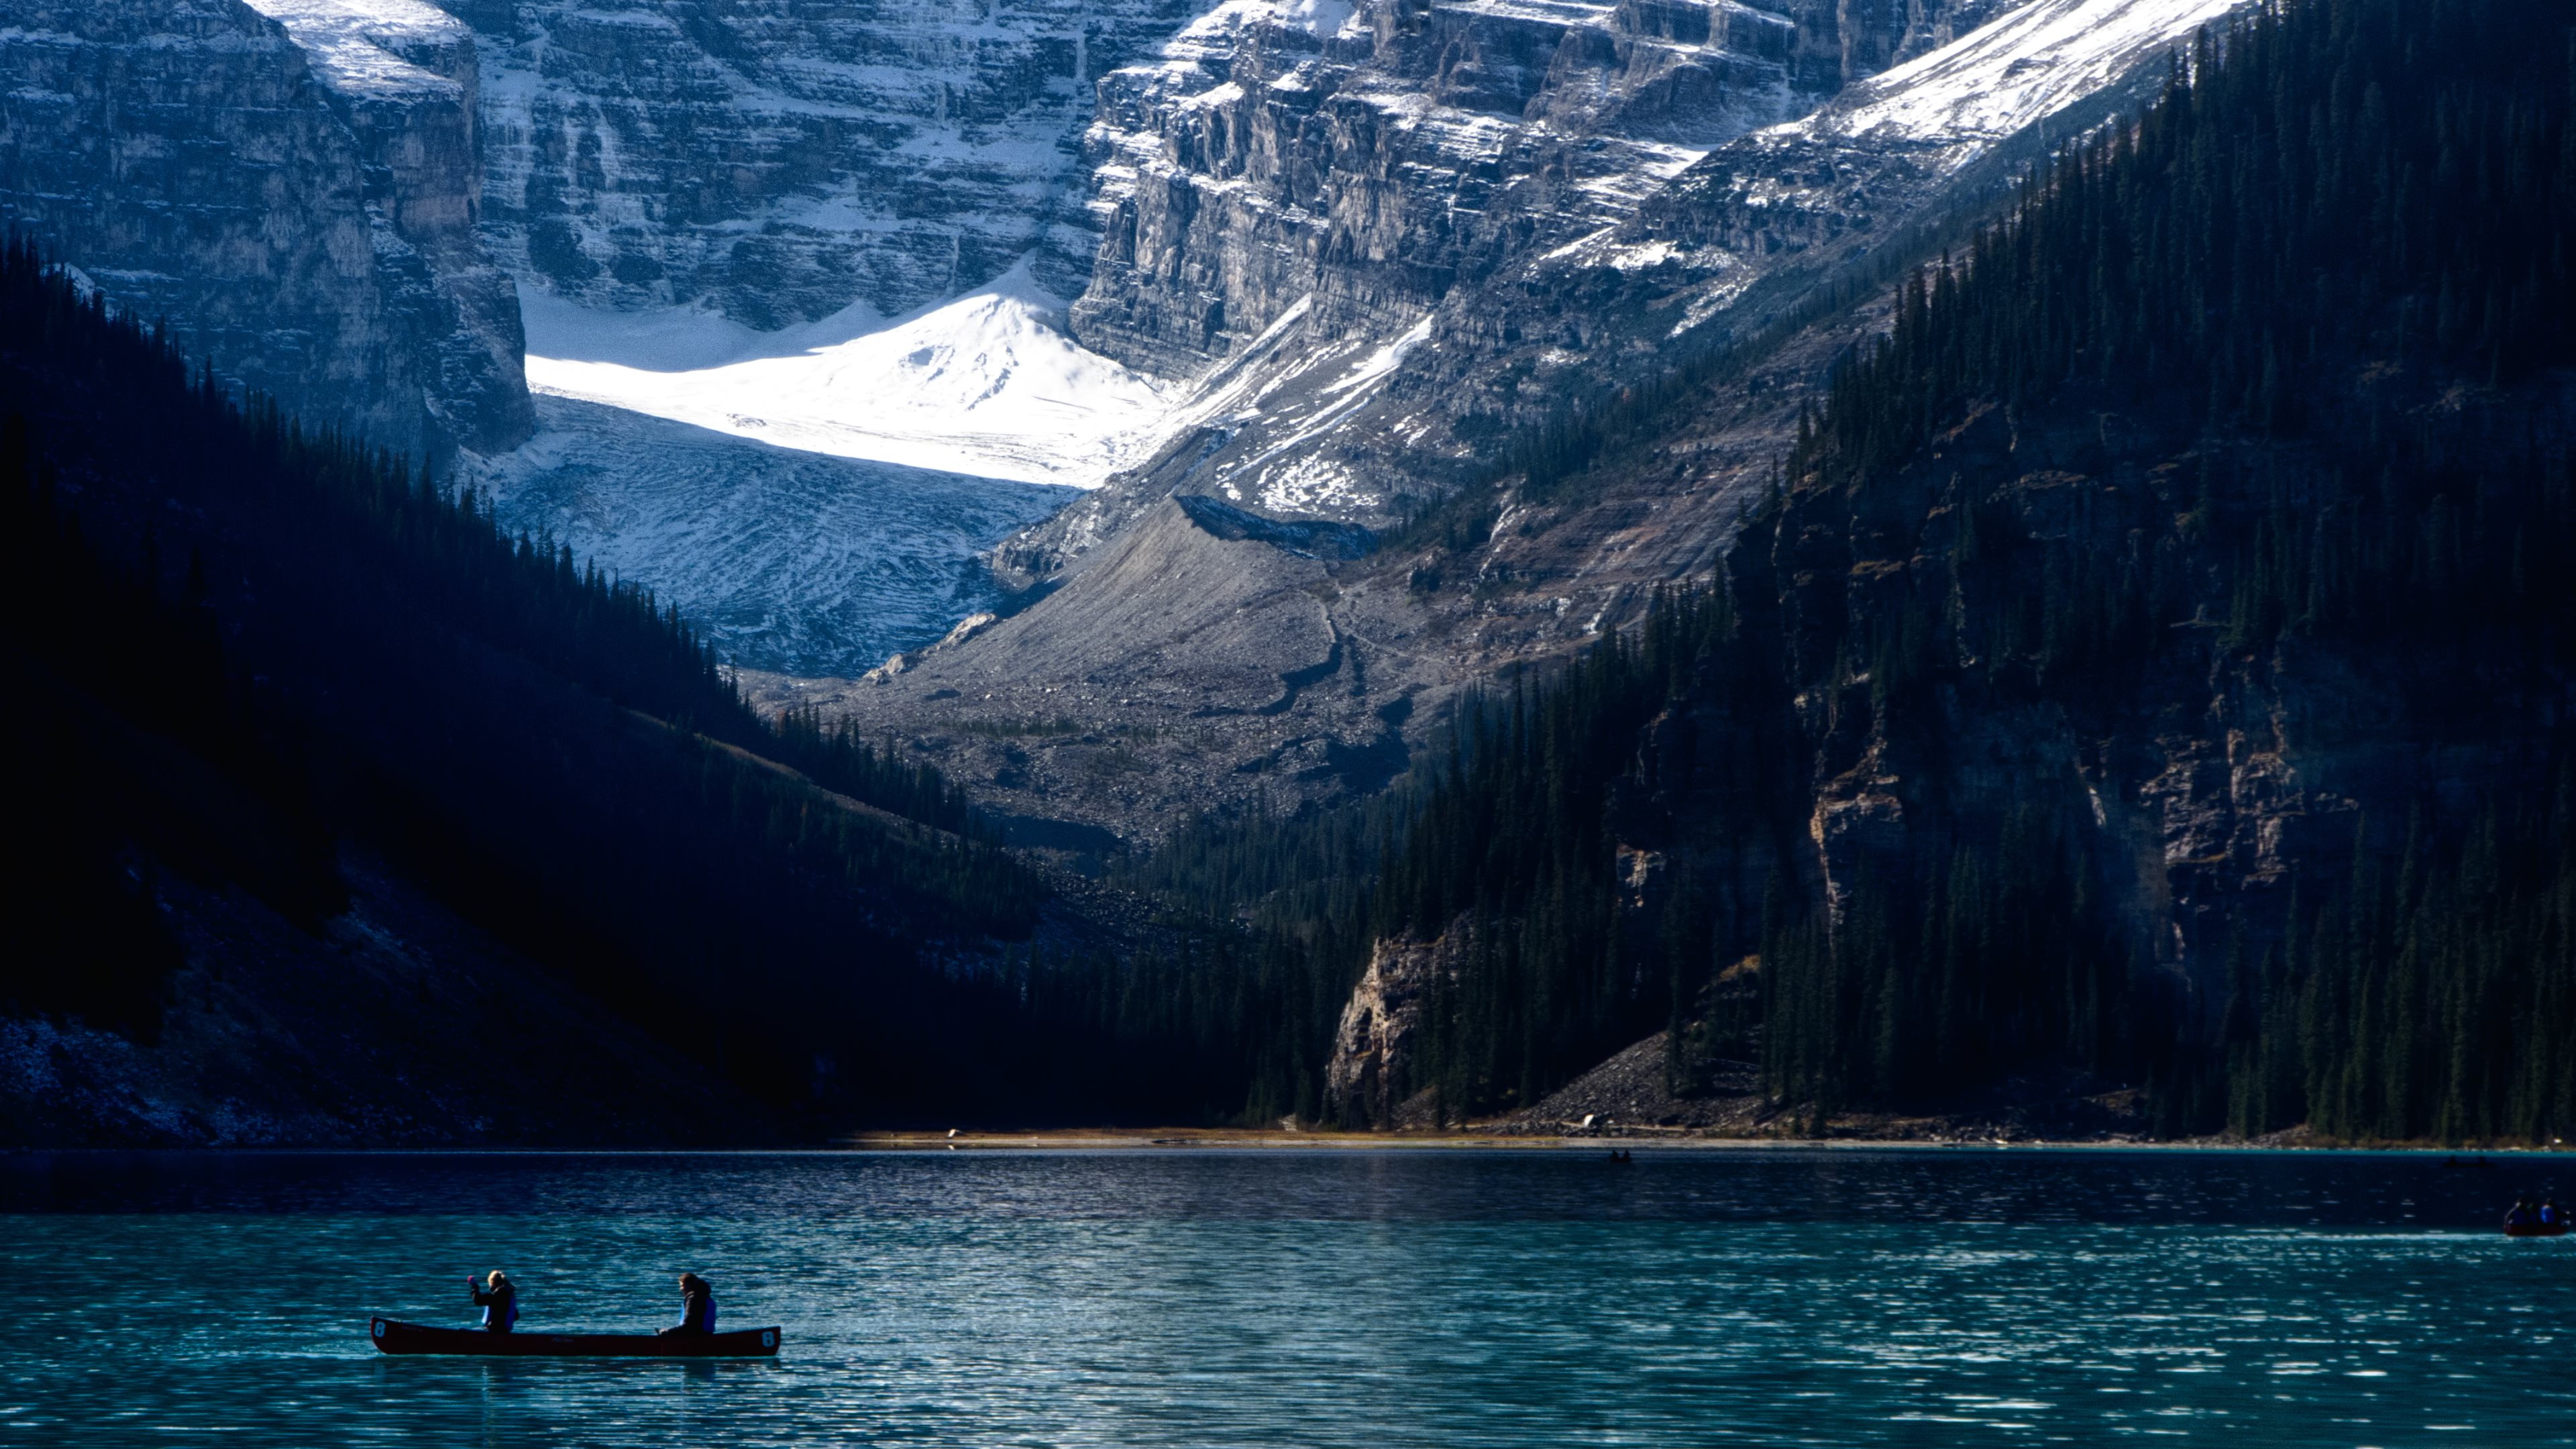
(2017, 70)
(985, 384)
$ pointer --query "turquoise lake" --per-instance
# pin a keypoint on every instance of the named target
(1207, 1298)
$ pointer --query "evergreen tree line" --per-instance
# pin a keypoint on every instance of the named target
(1515, 845)
(90, 940)
(2341, 201)
(2430, 995)
(2332, 179)
(1267, 919)
(2243, 326)
(837, 757)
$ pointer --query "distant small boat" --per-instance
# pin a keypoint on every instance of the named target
(393, 1336)
(2535, 1230)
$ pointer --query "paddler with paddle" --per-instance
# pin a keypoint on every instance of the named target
(697, 1307)
(498, 1297)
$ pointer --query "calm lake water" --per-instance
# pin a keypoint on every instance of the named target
(1204, 1298)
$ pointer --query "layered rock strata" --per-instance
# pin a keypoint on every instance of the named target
(1332, 217)
(780, 160)
(291, 185)
(1373, 158)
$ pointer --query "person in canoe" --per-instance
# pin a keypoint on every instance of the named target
(697, 1306)
(498, 1297)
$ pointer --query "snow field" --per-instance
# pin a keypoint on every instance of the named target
(984, 384)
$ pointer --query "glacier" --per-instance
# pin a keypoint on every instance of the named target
(792, 562)
(821, 496)
(984, 383)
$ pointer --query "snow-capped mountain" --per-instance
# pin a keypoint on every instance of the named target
(1318, 253)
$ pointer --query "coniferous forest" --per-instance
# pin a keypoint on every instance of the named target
(247, 650)
(2242, 437)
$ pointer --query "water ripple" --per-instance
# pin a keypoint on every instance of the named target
(1210, 1299)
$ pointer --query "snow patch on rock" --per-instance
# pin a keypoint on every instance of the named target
(2016, 71)
(369, 47)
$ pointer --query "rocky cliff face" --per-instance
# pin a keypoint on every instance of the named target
(1374, 1043)
(1412, 234)
(781, 160)
(1371, 158)
(1295, 191)
(292, 184)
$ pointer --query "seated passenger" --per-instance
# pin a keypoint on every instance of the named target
(697, 1306)
(500, 1304)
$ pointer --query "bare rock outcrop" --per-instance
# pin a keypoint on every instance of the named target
(1367, 1077)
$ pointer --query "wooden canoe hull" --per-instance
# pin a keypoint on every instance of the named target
(394, 1336)
(2535, 1230)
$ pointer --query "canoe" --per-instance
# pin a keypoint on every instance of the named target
(394, 1336)
(2535, 1230)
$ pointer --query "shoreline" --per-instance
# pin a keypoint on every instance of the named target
(1097, 1139)
(1276, 1140)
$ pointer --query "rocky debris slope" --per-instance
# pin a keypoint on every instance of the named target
(779, 161)
(1632, 1093)
(1111, 707)
(1630, 1096)
(291, 184)
(395, 1024)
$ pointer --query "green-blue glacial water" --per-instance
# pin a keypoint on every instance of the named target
(1203, 1298)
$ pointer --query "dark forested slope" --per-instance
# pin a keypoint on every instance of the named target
(274, 693)
(2153, 667)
